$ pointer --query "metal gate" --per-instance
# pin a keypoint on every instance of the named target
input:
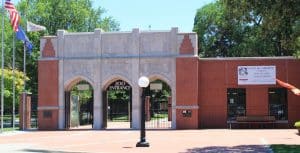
(158, 113)
(117, 103)
(34, 117)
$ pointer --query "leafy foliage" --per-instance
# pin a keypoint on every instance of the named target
(84, 95)
(248, 28)
(297, 124)
(161, 95)
(9, 76)
(284, 148)
(118, 95)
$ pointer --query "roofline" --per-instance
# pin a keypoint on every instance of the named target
(248, 58)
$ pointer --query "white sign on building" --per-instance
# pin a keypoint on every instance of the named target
(256, 75)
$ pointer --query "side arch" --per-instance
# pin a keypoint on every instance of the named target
(161, 109)
(154, 77)
(71, 102)
(73, 81)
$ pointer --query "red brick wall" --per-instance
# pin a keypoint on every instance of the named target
(48, 94)
(186, 122)
(293, 77)
(186, 92)
(212, 94)
(257, 101)
(215, 76)
(48, 123)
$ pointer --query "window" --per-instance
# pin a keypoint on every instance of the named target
(278, 103)
(236, 102)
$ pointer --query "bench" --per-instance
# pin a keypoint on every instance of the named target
(261, 120)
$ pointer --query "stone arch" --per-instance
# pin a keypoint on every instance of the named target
(160, 107)
(73, 81)
(110, 109)
(160, 77)
(67, 102)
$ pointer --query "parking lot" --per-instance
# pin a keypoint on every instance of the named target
(115, 140)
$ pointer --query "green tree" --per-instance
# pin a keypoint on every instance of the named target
(278, 21)
(85, 95)
(248, 28)
(9, 76)
(218, 33)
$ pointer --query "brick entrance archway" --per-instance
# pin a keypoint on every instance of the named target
(99, 56)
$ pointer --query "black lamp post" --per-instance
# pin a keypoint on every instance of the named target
(143, 83)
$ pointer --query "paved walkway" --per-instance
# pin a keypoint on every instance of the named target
(173, 141)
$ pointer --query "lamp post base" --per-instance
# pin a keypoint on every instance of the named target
(142, 144)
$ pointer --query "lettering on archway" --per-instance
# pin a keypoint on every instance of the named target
(119, 85)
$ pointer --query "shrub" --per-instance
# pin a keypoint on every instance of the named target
(297, 124)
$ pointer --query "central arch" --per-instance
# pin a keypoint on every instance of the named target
(117, 104)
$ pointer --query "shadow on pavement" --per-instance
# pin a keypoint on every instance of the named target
(47, 151)
(234, 149)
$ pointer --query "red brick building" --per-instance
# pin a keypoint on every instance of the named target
(206, 92)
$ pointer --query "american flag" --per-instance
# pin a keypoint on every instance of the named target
(13, 13)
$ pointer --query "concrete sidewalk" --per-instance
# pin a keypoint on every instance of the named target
(173, 141)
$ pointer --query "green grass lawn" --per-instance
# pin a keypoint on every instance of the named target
(120, 118)
(10, 129)
(124, 117)
(280, 148)
(161, 115)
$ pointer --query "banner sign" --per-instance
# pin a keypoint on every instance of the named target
(256, 75)
(83, 87)
(155, 86)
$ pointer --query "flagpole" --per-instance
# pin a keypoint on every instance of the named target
(24, 71)
(14, 83)
(2, 68)
(24, 90)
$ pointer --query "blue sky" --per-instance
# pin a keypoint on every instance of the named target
(159, 14)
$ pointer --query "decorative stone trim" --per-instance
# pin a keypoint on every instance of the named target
(187, 107)
(48, 50)
(48, 108)
(186, 46)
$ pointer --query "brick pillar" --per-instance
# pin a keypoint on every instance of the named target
(187, 84)
(48, 106)
(187, 93)
(169, 108)
(25, 111)
(48, 85)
